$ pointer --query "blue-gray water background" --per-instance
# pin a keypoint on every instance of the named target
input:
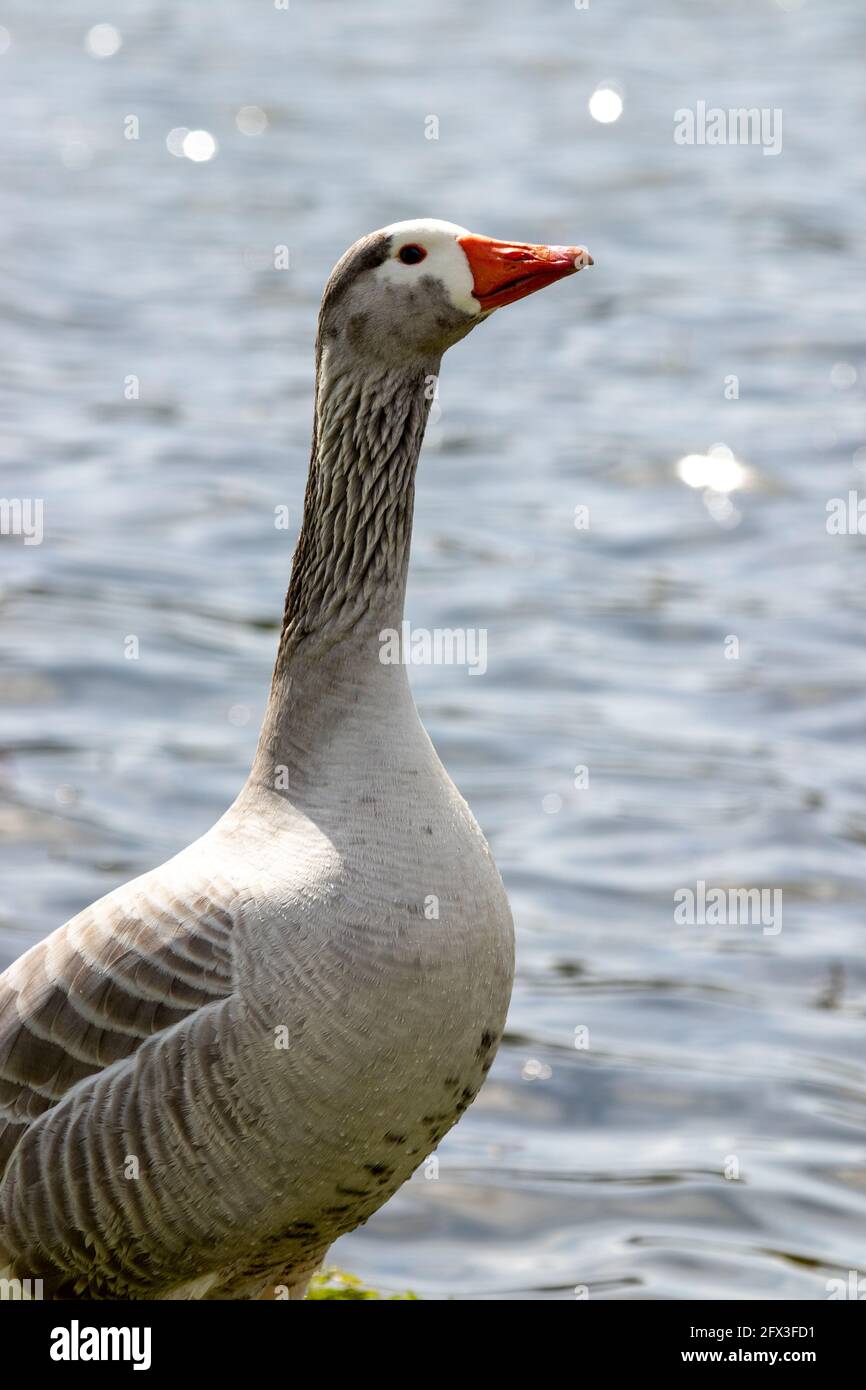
(711, 1049)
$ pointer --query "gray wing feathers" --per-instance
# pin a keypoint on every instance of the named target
(132, 967)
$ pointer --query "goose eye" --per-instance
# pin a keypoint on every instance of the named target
(411, 255)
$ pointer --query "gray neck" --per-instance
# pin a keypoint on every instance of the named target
(348, 578)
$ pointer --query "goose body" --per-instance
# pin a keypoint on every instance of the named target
(221, 1066)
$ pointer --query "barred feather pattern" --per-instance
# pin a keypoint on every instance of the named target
(130, 970)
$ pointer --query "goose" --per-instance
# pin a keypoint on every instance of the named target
(217, 1069)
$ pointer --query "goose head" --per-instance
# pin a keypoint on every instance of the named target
(411, 290)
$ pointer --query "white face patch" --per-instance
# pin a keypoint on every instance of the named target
(444, 259)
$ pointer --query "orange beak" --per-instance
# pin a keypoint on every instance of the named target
(504, 271)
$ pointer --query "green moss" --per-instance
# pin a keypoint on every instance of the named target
(336, 1283)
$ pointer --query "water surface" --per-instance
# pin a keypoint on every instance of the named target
(711, 1050)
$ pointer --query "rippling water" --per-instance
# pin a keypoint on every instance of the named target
(711, 1050)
